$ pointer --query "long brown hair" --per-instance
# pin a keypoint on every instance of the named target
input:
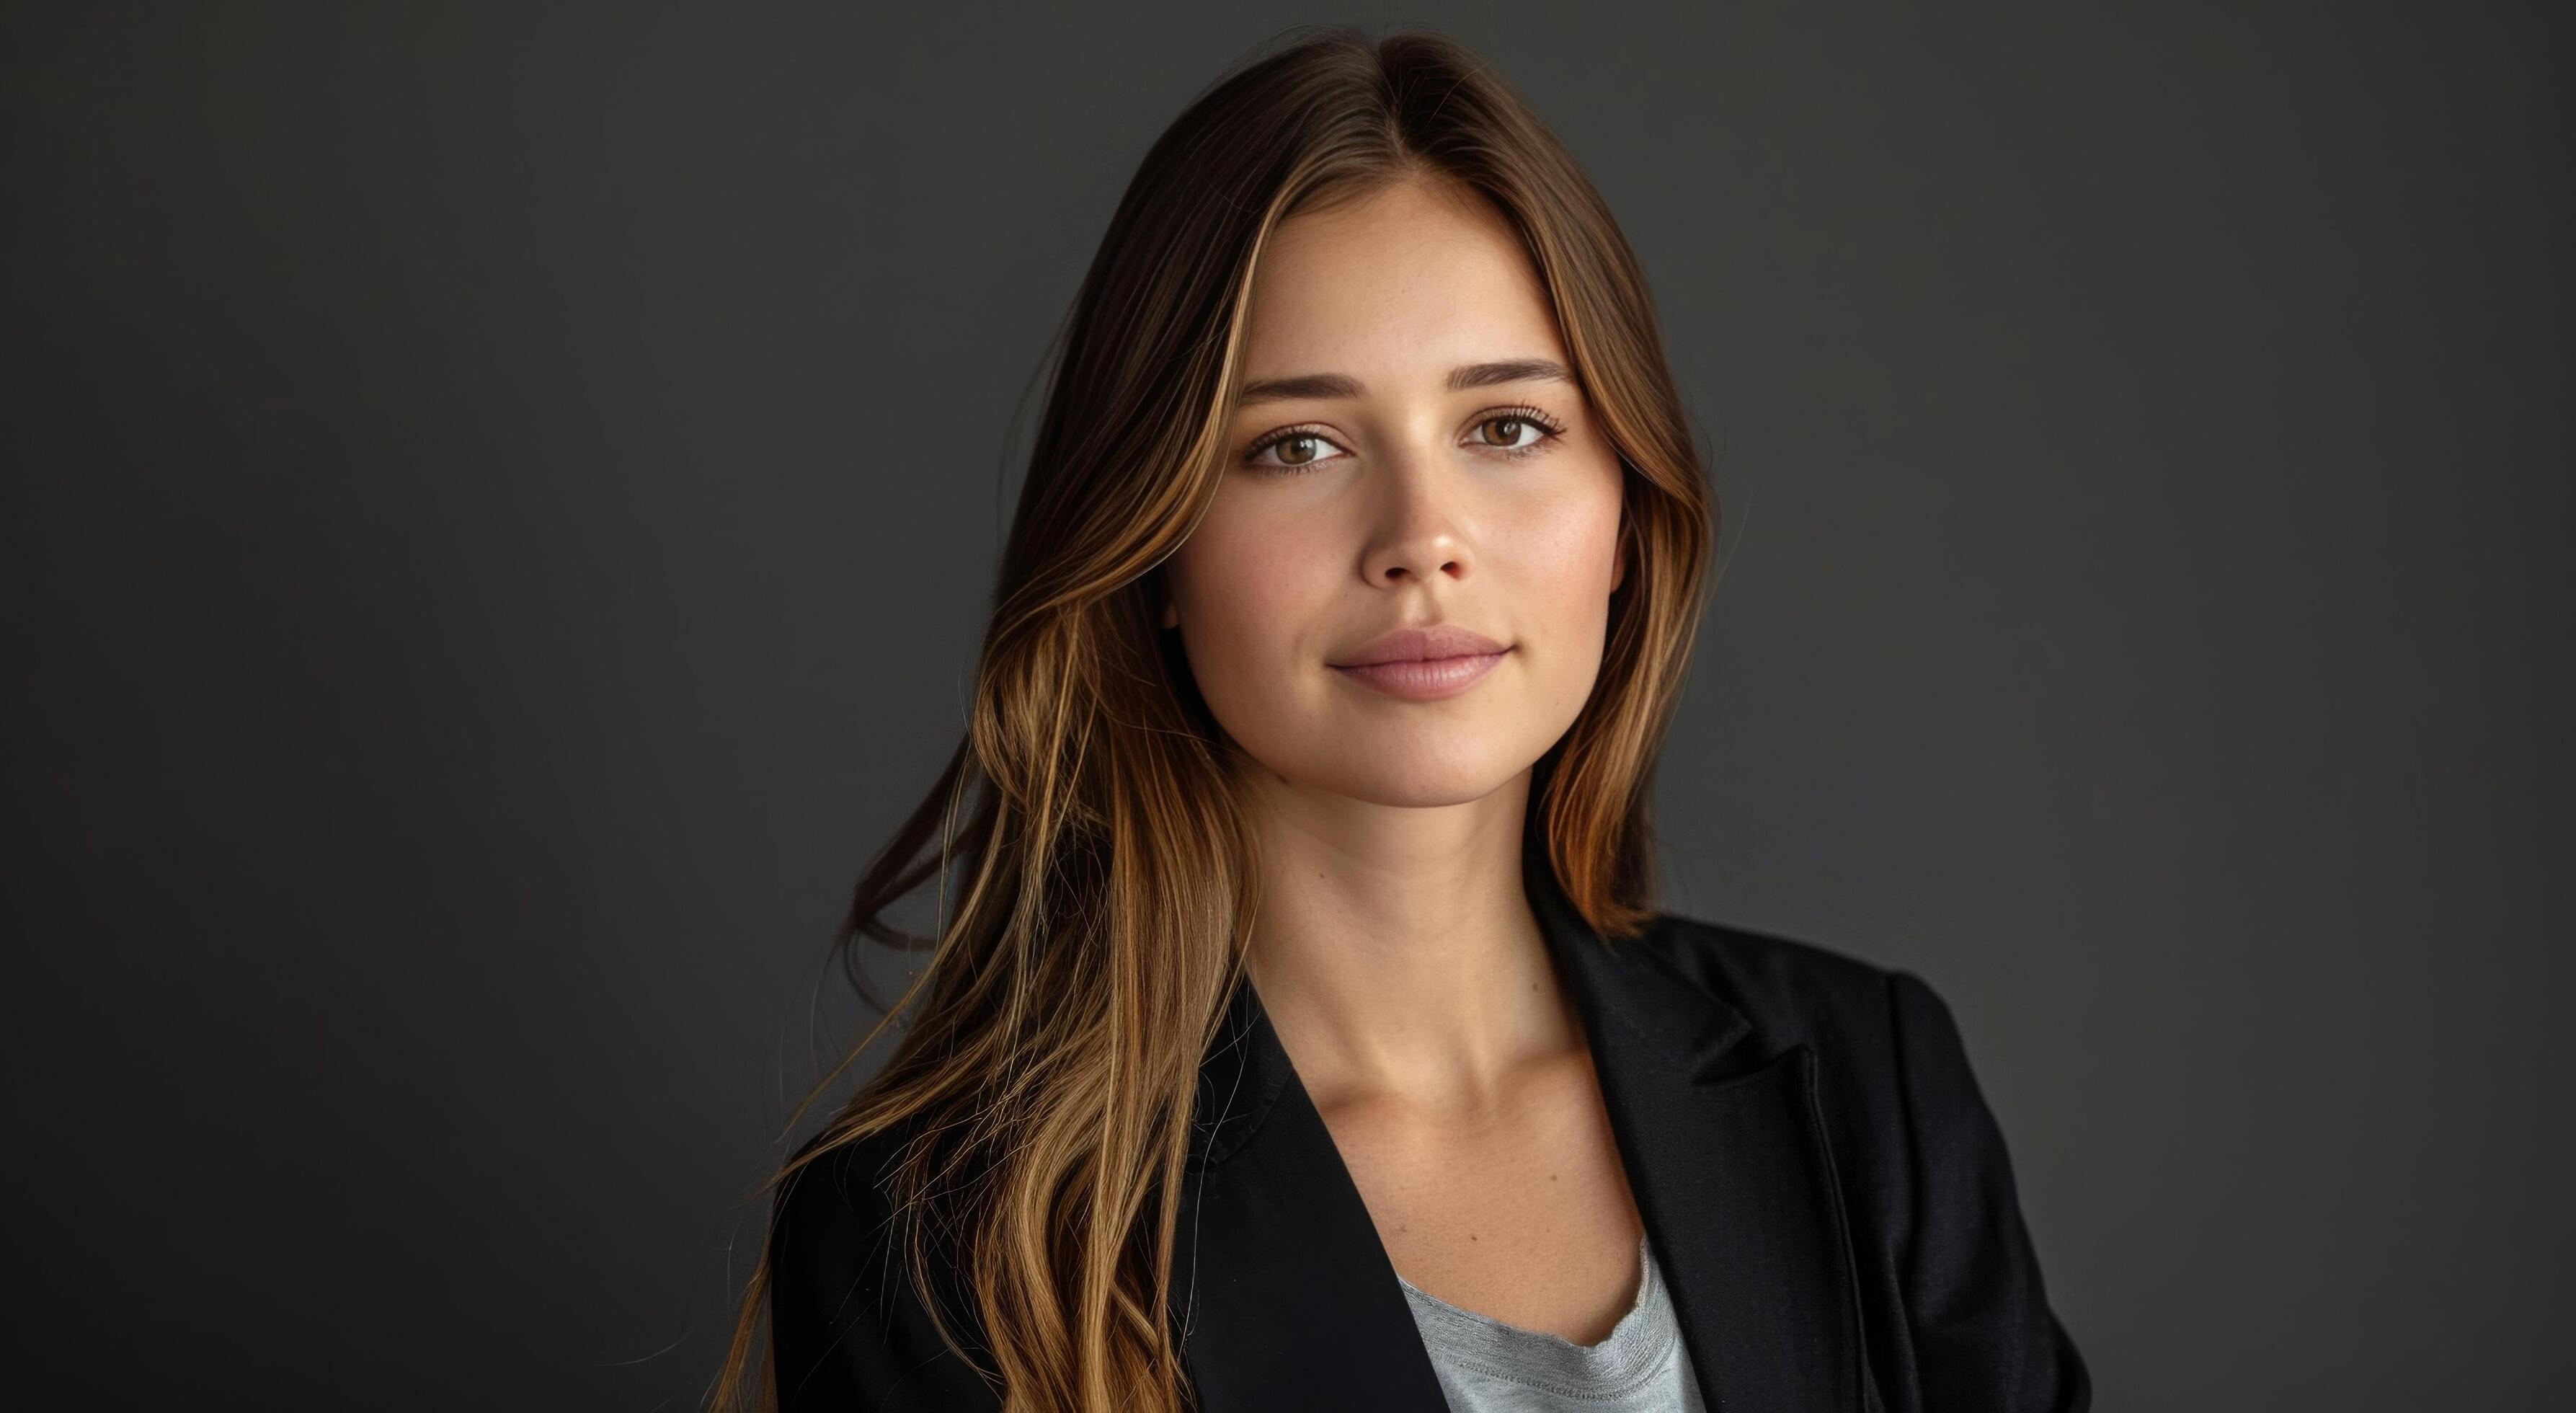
(1102, 878)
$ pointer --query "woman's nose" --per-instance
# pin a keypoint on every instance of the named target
(1418, 531)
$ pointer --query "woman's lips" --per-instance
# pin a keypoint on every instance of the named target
(1425, 679)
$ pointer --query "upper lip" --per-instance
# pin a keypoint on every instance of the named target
(1418, 644)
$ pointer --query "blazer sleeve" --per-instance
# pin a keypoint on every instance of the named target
(847, 1329)
(1983, 1334)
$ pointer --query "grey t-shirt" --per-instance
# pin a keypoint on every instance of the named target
(1487, 1366)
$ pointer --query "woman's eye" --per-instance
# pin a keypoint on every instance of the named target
(1294, 451)
(1519, 432)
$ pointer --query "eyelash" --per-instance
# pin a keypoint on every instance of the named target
(1551, 426)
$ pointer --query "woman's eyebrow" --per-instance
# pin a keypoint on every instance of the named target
(1461, 378)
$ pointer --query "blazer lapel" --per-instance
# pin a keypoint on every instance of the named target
(1726, 1154)
(1287, 1299)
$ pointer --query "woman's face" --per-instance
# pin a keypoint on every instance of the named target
(1420, 458)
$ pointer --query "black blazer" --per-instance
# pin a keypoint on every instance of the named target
(1824, 1187)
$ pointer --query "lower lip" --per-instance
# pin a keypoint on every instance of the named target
(1426, 680)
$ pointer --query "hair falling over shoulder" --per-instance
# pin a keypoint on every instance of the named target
(1096, 882)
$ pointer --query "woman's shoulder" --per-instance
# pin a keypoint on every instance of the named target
(1931, 1199)
(838, 1197)
(1788, 987)
(831, 1219)
(839, 1178)
(1879, 1032)
(847, 1324)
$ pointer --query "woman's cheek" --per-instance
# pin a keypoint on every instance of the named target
(1244, 604)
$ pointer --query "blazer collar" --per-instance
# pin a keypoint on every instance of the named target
(1287, 1299)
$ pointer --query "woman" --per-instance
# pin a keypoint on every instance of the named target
(1299, 1031)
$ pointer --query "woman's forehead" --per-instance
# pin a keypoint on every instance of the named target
(1395, 289)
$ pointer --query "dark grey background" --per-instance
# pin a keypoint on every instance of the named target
(500, 503)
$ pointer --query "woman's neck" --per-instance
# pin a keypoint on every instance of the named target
(1396, 953)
